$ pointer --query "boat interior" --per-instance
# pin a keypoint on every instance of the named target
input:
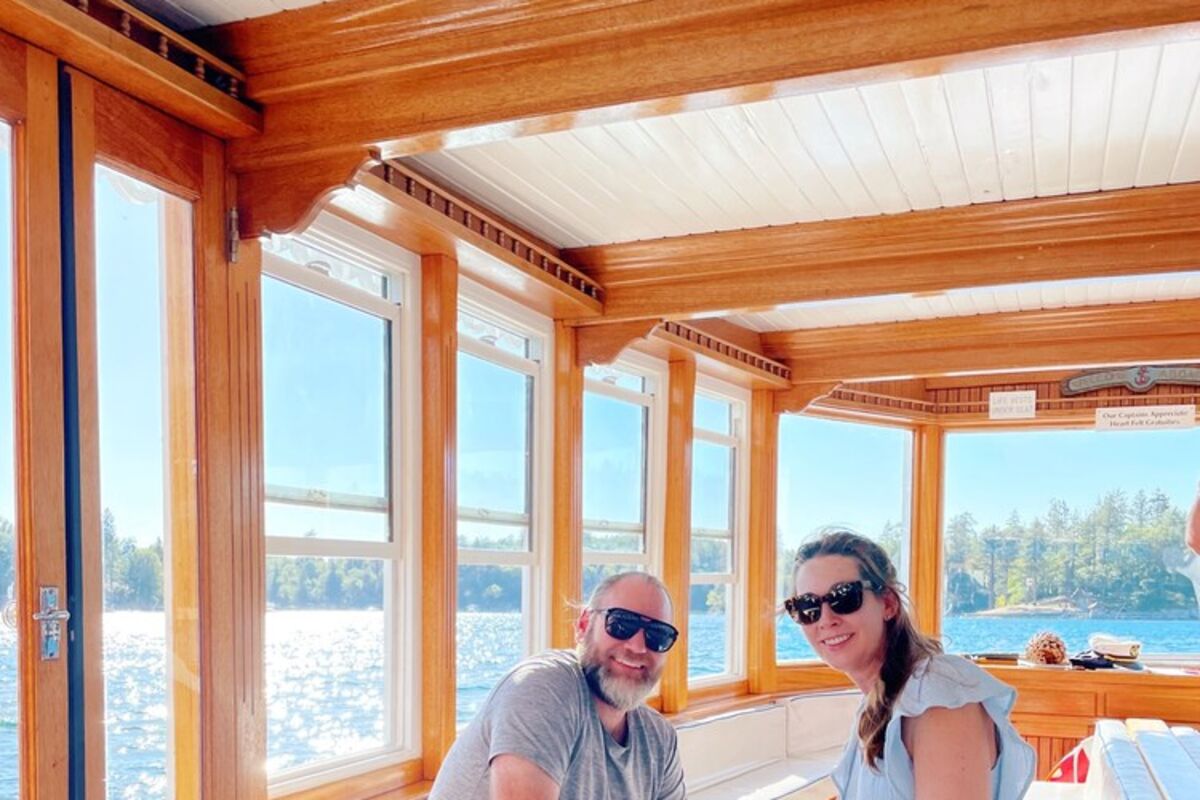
(433, 313)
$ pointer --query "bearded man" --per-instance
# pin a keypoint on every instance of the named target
(571, 724)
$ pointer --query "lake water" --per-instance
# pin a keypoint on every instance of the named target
(327, 693)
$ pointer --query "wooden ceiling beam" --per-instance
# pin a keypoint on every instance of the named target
(428, 74)
(1101, 234)
(1137, 333)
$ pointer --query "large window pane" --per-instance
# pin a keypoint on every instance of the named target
(490, 629)
(711, 414)
(136, 367)
(326, 397)
(614, 474)
(9, 690)
(834, 473)
(326, 663)
(493, 436)
(1075, 532)
(708, 630)
(712, 486)
(593, 574)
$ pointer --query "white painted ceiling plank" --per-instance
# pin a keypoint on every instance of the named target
(813, 128)
(1050, 111)
(854, 128)
(529, 205)
(971, 114)
(1091, 98)
(560, 183)
(713, 195)
(613, 197)
(1133, 91)
(648, 212)
(776, 130)
(926, 103)
(894, 126)
(1173, 95)
(1008, 92)
(1187, 163)
(758, 160)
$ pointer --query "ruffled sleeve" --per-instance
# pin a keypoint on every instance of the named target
(952, 682)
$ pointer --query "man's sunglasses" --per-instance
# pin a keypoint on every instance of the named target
(843, 598)
(620, 623)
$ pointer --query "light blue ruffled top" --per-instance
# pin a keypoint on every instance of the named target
(941, 681)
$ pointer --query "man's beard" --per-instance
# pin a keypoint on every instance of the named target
(624, 694)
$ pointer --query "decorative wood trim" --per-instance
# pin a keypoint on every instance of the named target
(603, 344)
(286, 199)
(810, 677)
(1103, 335)
(677, 527)
(146, 62)
(470, 73)
(567, 577)
(925, 554)
(717, 693)
(1130, 232)
(397, 782)
(765, 370)
(230, 491)
(760, 580)
(439, 358)
(38, 411)
(801, 396)
(963, 402)
(421, 216)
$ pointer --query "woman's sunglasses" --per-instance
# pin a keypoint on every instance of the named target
(843, 598)
(622, 624)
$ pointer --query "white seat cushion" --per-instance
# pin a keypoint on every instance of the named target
(782, 779)
(721, 748)
(818, 722)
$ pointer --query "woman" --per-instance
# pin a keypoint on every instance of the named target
(931, 726)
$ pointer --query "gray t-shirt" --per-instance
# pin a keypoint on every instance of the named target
(543, 711)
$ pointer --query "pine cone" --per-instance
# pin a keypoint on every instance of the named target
(1046, 648)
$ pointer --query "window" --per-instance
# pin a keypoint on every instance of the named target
(622, 468)
(504, 462)
(844, 474)
(338, 412)
(719, 522)
(1072, 531)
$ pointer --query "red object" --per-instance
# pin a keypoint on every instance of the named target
(1073, 768)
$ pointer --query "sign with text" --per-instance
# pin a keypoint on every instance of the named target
(1145, 418)
(1012, 405)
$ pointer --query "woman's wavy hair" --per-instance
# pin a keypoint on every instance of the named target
(905, 646)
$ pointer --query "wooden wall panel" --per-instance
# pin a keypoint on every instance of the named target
(761, 594)
(925, 556)
(677, 529)
(439, 504)
(567, 578)
(231, 496)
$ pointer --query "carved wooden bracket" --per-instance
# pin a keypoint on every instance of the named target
(801, 396)
(283, 199)
(603, 344)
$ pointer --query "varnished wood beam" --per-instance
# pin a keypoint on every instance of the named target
(677, 527)
(761, 570)
(925, 552)
(422, 75)
(1102, 234)
(120, 61)
(439, 504)
(1073, 337)
(567, 577)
